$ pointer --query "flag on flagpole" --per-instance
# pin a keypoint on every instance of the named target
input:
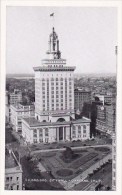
(52, 14)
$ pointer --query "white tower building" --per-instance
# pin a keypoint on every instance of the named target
(54, 85)
(54, 101)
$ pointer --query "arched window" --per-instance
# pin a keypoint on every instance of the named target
(61, 120)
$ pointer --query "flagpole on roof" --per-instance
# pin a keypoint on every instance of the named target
(52, 19)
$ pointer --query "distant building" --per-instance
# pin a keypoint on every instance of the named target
(81, 97)
(111, 116)
(106, 99)
(17, 112)
(15, 97)
(13, 172)
(54, 101)
(101, 112)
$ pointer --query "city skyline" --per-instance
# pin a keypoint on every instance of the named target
(96, 34)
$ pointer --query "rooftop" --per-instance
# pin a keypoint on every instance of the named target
(10, 161)
(32, 122)
(22, 106)
(81, 90)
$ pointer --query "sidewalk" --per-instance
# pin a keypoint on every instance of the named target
(41, 167)
(73, 148)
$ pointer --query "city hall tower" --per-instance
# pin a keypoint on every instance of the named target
(54, 85)
(54, 119)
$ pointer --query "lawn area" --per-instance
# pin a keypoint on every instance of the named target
(33, 179)
(68, 168)
(56, 145)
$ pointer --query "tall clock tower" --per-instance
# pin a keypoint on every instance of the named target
(54, 85)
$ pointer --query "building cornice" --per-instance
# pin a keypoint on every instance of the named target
(44, 68)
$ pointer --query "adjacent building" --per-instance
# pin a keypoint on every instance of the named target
(15, 97)
(80, 97)
(105, 99)
(54, 101)
(18, 111)
(106, 117)
(13, 172)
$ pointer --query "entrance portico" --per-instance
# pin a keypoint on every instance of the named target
(61, 133)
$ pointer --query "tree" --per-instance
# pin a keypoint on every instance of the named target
(68, 153)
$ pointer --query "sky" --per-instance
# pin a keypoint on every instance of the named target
(87, 36)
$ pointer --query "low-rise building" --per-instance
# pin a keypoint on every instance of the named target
(35, 131)
(17, 112)
(13, 172)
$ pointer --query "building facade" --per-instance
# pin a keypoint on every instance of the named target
(17, 112)
(81, 97)
(15, 97)
(106, 118)
(54, 101)
(105, 99)
(45, 132)
(13, 172)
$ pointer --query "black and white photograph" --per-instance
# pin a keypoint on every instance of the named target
(61, 98)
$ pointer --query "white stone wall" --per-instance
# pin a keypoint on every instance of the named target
(27, 133)
(53, 133)
(42, 77)
(17, 115)
(55, 118)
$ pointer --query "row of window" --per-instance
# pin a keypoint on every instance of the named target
(57, 83)
(79, 132)
(41, 140)
(79, 136)
(57, 92)
(52, 88)
(11, 178)
(57, 107)
(57, 79)
(40, 132)
(79, 127)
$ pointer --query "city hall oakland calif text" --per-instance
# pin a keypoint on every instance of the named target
(54, 119)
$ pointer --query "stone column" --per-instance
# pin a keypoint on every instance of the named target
(63, 133)
(57, 129)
